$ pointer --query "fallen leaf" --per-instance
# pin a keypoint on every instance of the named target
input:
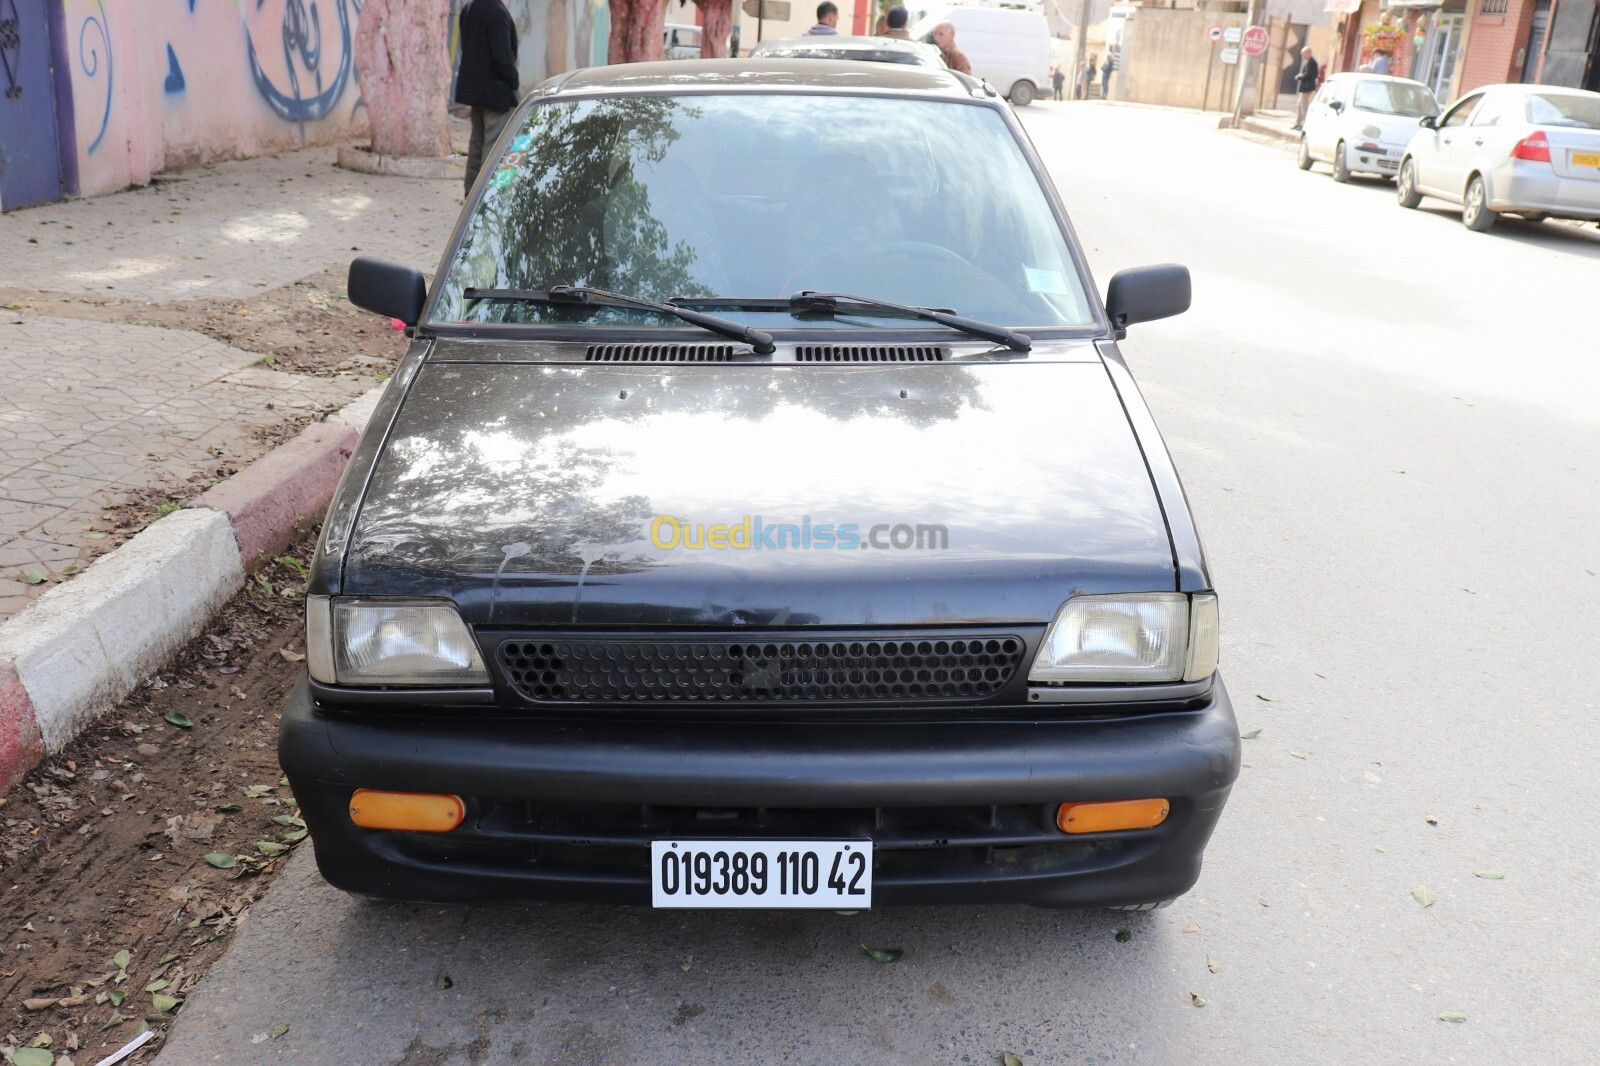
(121, 959)
(883, 954)
(1008, 1059)
(1424, 895)
(113, 1021)
(1250, 735)
(94, 536)
(269, 848)
(292, 656)
(289, 819)
(1298, 754)
(292, 837)
(117, 995)
(257, 791)
(167, 958)
(1430, 819)
(156, 986)
(1488, 875)
(32, 1056)
(34, 577)
(229, 808)
(1213, 965)
(279, 1030)
(1452, 1016)
(1124, 935)
(686, 962)
(42, 1040)
(1263, 697)
(164, 1004)
(39, 1004)
(1198, 1001)
(221, 860)
(179, 719)
(442, 982)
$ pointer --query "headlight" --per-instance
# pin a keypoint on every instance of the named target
(1143, 637)
(352, 641)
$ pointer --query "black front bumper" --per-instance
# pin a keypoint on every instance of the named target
(958, 811)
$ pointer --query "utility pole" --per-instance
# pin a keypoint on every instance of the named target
(1082, 49)
(1243, 66)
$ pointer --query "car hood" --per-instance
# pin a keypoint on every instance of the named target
(1395, 129)
(538, 494)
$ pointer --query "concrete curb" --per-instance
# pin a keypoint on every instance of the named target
(85, 645)
(1267, 129)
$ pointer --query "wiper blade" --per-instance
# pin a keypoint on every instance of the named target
(760, 340)
(831, 301)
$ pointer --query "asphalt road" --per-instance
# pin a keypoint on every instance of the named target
(1387, 427)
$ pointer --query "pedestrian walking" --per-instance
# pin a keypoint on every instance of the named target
(1085, 79)
(1105, 77)
(944, 35)
(1058, 78)
(895, 23)
(827, 20)
(487, 81)
(1306, 80)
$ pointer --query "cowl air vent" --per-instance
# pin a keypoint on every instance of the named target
(868, 353)
(663, 353)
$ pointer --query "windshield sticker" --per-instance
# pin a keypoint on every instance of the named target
(1050, 282)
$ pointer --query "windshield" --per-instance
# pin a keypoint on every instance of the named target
(863, 55)
(1559, 109)
(760, 196)
(1395, 98)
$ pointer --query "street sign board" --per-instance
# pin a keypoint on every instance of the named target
(1232, 34)
(1215, 33)
(1229, 55)
(1255, 40)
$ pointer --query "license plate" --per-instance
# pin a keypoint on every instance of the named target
(1586, 159)
(830, 874)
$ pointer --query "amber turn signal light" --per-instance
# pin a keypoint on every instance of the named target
(416, 812)
(1106, 817)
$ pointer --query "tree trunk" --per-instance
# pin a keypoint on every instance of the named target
(716, 17)
(404, 70)
(636, 30)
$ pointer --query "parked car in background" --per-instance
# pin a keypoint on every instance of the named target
(579, 625)
(1008, 49)
(680, 41)
(1526, 150)
(863, 49)
(1361, 123)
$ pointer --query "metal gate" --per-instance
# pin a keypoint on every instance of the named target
(30, 163)
(1569, 57)
(1537, 28)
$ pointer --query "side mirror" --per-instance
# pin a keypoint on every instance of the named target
(1337, 105)
(1428, 122)
(1144, 294)
(388, 289)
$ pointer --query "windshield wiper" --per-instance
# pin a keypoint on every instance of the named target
(582, 294)
(843, 303)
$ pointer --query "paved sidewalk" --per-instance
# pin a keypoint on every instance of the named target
(93, 413)
(1273, 124)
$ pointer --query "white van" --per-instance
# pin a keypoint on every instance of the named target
(1008, 49)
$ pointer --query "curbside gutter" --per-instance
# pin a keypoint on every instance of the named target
(82, 647)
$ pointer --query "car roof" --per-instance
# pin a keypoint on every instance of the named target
(1529, 89)
(1367, 75)
(770, 75)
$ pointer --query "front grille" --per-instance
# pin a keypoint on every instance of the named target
(662, 353)
(868, 353)
(632, 668)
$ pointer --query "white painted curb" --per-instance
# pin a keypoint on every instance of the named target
(83, 646)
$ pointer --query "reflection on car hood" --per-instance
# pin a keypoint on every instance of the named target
(529, 493)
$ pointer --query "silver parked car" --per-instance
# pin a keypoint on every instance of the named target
(1361, 123)
(1526, 150)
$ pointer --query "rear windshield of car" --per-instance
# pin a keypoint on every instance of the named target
(859, 54)
(1560, 109)
(1395, 98)
(760, 196)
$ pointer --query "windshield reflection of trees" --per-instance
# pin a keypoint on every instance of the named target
(572, 211)
(480, 464)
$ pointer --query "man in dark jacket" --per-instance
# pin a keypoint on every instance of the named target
(895, 23)
(487, 81)
(1305, 85)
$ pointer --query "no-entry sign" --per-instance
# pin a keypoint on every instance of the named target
(1215, 33)
(1255, 40)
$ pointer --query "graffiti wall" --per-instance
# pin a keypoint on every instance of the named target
(159, 84)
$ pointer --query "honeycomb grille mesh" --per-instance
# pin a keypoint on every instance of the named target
(699, 670)
(868, 353)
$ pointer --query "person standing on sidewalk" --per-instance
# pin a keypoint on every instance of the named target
(487, 81)
(1305, 84)
(944, 35)
(1057, 79)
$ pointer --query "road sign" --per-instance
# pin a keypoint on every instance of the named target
(1255, 40)
(1215, 33)
(1229, 55)
(1231, 34)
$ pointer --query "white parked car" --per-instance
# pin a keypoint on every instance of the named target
(1361, 123)
(1527, 150)
(1007, 48)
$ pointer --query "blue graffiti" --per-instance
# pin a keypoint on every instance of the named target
(90, 61)
(174, 82)
(302, 50)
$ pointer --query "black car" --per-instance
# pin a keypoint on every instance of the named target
(762, 516)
